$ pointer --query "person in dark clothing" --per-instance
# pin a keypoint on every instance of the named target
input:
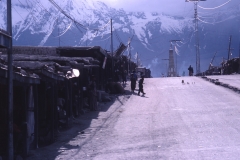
(133, 79)
(141, 86)
(190, 69)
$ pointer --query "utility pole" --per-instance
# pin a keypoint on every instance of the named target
(229, 47)
(10, 82)
(6, 42)
(173, 47)
(239, 60)
(58, 34)
(197, 39)
(198, 70)
(137, 59)
(112, 50)
(168, 71)
(129, 53)
(130, 57)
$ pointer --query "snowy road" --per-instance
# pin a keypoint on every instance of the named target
(197, 120)
(233, 80)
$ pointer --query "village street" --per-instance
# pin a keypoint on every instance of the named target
(197, 120)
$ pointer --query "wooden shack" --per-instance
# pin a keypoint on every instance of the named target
(24, 107)
(102, 72)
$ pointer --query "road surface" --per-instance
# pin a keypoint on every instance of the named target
(233, 80)
(197, 120)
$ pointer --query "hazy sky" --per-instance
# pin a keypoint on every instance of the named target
(176, 7)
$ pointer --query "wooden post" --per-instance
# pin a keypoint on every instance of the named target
(10, 82)
(35, 92)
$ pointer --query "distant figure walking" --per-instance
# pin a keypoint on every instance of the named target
(190, 69)
(140, 85)
(133, 79)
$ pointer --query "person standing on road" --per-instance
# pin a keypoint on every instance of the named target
(141, 86)
(190, 69)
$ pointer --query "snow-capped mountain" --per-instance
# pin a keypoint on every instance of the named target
(81, 23)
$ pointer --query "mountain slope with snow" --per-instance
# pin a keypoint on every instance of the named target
(81, 23)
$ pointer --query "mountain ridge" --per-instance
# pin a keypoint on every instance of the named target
(41, 24)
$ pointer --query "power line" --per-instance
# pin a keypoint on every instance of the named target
(103, 39)
(214, 22)
(107, 43)
(196, 34)
(41, 6)
(30, 12)
(78, 28)
(17, 12)
(68, 16)
(215, 7)
(212, 17)
(27, 3)
(117, 36)
(95, 29)
(65, 30)
(69, 26)
(77, 24)
(101, 28)
(213, 14)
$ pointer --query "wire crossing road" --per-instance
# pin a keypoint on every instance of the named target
(197, 120)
